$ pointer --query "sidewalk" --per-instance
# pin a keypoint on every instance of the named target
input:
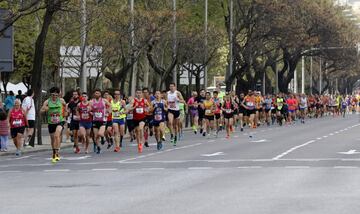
(38, 148)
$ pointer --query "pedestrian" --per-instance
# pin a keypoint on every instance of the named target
(4, 130)
(17, 120)
(20, 96)
(54, 106)
(29, 107)
(9, 101)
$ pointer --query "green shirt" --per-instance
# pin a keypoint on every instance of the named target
(55, 112)
(182, 108)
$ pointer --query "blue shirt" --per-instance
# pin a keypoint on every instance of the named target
(9, 102)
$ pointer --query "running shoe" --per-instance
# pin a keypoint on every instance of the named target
(227, 136)
(18, 153)
(159, 145)
(242, 129)
(175, 140)
(117, 149)
(98, 150)
(204, 134)
(146, 144)
(110, 144)
(53, 160)
(94, 147)
(151, 133)
(163, 138)
(201, 131)
(172, 140)
(102, 141)
(57, 157)
(140, 148)
(167, 130)
(77, 150)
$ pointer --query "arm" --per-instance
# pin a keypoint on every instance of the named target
(45, 107)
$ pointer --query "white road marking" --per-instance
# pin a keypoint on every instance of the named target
(293, 149)
(319, 138)
(297, 167)
(331, 134)
(10, 171)
(325, 136)
(219, 161)
(213, 154)
(249, 167)
(199, 168)
(152, 168)
(350, 152)
(56, 170)
(105, 169)
(336, 132)
(345, 167)
(258, 141)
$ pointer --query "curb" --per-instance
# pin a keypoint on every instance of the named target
(12, 153)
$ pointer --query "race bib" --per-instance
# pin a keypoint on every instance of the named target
(85, 116)
(228, 111)
(250, 104)
(172, 105)
(207, 111)
(158, 117)
(98, 115)
(75, 117)
(139, 110)
(116, 114)
(130, 116)
(55, 119)
(17, 122)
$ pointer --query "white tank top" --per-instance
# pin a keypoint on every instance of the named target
(173, 101)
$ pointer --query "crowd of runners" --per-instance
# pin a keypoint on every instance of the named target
(102, 119)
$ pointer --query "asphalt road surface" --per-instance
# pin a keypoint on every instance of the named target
(301, 168)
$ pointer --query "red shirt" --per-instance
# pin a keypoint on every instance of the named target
(139, 111)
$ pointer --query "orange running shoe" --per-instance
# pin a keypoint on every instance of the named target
(227, 136)
(140, 148)
(117, 149)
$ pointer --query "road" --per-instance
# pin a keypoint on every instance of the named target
(302, 168)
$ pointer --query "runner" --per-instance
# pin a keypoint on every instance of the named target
(228, 109)
(241, 110)
(74, 119)
(118, 108)
(217, 111)
(17, 120)
(174, 97)
(129, 119)
(200, 101)
(194, 114)
(159, 106)
(249, 104)
(55, 117)
(85, 123)
(29, 107)
(99, 109)
(139, 105)
(148, 120)
(280, 101)
(209, 106)
(303, 107)
(267, 108)
(109, 133)
(292, 106)
(182, 108)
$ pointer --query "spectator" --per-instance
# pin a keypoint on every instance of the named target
(20, 96)
(4, 130)
(9, 101)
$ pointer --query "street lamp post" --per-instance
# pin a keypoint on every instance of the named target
(83, 59)
(132, 30)
(206, 44)
(303, 75)
(174, 41)
(311, 75)
(320, 77)
(230, 70)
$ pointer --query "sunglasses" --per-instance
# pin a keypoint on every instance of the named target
(54, 94)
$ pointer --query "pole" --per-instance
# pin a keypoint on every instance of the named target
(206, 44)
(276, 79)
(174, 41)
(230, 70)
(320, 77)
(133, 68)
(83, 78)
(311, 75)
(295, 81)
(303, 76)
(264, 84)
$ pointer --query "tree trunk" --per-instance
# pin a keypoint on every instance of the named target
(38, 64)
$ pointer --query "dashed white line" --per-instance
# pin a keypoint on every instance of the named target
(297, 167)
(152, 168)
(199, 168)
(319, 138)
(105, 169)
(219, 161)
(10, 171)
(325, 136)
(249, 167)
(345, 167)
(56, 170)
(331, 134)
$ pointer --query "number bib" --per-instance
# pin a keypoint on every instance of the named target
(55, 118)
(172, 105)
(139, 110)
(116, 114)
(17, 122)
(158, 117)
(250, 104)
(85, 116)
(98, 115)
(75, 117)
(130, 116)
(228, 111)
(207, 111)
